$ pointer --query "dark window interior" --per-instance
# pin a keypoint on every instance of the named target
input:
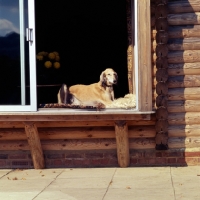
(89, 35)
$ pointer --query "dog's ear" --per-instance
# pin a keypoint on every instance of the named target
(103, 77)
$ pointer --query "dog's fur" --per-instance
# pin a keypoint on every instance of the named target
(97, 94)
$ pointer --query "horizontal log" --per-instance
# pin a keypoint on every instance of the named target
(187, 56)
(184, 142)
(86, 144)
(179, 44)
(184, 106)
(77, 133)
(188, 6)
(73, 116)
(192, 93)
(13, 124)
(183, 69)
(184, 18)
(183, 81)
(184, 130)
(184, 118)
(184, 31)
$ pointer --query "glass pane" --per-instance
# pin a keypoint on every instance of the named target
(14, 53)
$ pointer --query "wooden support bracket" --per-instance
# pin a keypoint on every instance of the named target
(122, 141)
(35, 145)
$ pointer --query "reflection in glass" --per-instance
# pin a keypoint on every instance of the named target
(14, 58)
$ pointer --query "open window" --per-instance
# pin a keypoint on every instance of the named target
(85, 38)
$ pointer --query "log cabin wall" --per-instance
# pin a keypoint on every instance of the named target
(93, 144)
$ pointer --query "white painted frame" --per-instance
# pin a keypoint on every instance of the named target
(32, 63)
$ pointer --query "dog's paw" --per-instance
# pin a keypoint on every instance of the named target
(100, 106)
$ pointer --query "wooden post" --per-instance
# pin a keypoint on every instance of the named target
(122, 141)
(35, 145)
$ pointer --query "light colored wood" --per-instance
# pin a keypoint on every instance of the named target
(184, 142)
(55, 133)
(184, 106)
(185, 31)
(183, 81)
(191, 93)
(144, 58)
(187, 56)
(122, 142)
(184, 6)
(184, 130)
(35, 145)
(184, 118)
(58, 116)
(184, 69)
(86, 144)
(179, 44)
(184, 18)
(13, 124)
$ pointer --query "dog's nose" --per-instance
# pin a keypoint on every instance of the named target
(114, 81)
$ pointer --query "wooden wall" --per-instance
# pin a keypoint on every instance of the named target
(183, 74)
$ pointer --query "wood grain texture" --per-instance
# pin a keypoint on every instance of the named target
(184, 18)
(187, 118)
(35, 145)
(82, 144)
(122, 141)
(144, 58)
(192, 130)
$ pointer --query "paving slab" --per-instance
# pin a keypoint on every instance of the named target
(87, 173)
(32, 174)
(72, 194)
(3, 172)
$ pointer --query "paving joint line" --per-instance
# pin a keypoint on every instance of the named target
(172, 184)
(48, 184)
(109, 184)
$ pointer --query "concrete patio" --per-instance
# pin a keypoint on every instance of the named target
(152, 183)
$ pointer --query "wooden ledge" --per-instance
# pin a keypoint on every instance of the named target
(75, 115)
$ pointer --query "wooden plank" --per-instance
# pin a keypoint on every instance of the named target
(184, 18)
(188, 6)
(184, 142)
(77, 133)
(184, 31)
(184, 130)
(191, 93)
(144, 56)
(83, 144)
(184, 118)
(187, 56)
(179, 44)
(179, 69)
(72, 117)
(184, 106)
(185, 81)
(35, 145)
(122, 141)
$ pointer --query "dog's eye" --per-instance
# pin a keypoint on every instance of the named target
(109, 74)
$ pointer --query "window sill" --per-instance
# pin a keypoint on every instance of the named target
(60, 114)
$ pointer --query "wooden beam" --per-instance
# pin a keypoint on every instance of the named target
(184, 18)
(122, 141)
(35, 145)
(57, 116)
(144, 56)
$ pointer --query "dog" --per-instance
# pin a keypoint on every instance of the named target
(98, 94)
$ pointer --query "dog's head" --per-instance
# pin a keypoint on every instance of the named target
(108, 77)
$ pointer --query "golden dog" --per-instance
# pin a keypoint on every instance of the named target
(97, 94)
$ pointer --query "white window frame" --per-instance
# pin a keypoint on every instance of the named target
(32, 62)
